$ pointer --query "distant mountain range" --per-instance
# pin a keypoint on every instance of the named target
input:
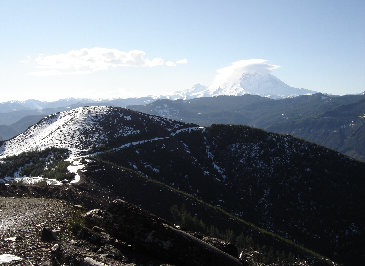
(69, 103)
(247, 96)
(16, 116)
(9, 131)
(337, 122)
(246, 82)
(276, 190)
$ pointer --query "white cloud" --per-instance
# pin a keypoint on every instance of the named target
(27, 60)
(45, 73)
(178, 62)
(230, 75)
(170, 63)
(182, 61)
(88, 60)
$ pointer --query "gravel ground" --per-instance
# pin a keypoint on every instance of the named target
(21, 224)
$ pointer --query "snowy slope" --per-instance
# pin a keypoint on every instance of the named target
(83, 128)
(197, 91)
(255, 83)
(75, 130)
(263, 84)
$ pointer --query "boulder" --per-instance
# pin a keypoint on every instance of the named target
(94, 217)
(48, 234)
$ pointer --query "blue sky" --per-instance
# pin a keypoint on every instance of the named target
(136, 48)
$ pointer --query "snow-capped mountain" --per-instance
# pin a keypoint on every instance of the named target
(197, 91)
(263, 84)
(252, 76)
(255, 83)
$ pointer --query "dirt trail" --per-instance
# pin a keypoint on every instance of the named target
(21, 223)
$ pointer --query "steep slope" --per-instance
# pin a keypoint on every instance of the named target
(333, 121)
(297, 189)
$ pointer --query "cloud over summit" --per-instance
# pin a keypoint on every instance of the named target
(232, 74)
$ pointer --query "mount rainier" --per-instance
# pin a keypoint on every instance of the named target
(243, 77)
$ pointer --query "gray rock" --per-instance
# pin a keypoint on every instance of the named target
(91, 262)
(94, 217)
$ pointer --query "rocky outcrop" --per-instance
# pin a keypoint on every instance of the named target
(49, 234)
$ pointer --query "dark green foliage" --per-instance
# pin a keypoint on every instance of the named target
(49, 163)
(76, 223)
(159, 198)
(259, 253)
(187, 221)
(296, 189)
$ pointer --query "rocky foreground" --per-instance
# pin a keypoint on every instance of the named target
(83, 225)
(39, 231)
(21, 225)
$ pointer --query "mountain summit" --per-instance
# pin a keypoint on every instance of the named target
(256, 83)
(251, 76)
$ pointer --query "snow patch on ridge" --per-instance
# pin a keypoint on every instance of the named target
(7, 258)
(211, 157)
(75, 166)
